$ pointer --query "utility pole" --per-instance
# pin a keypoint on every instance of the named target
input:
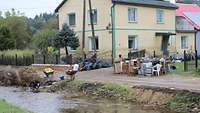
(92, 25)
(113, 33)
(83, 35)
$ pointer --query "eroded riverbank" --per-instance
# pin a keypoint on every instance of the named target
(160, 99)
(71, 103)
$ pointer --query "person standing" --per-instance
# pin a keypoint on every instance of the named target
(118, 65)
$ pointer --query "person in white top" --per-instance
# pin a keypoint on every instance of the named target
(75, 67)
(72, 72)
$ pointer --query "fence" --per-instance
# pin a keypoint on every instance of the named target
(190, 61)
(28, 60)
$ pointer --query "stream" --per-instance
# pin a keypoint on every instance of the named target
(54, 103)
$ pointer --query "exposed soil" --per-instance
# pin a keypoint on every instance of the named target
(171, 82)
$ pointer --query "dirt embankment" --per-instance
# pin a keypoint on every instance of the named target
(176, 100)
(22, 76)
(160, 99)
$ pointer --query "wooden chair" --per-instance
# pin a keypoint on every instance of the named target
(133, 67)
(125, 68)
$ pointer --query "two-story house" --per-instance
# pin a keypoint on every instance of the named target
(187, 27)
(137, 24)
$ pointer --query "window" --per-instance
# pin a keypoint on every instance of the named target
(160, 15)
(94, 13)
(184, 42)
(132, 42)
(172, 40)
(72, 19)
(93, 42)
(132, 14)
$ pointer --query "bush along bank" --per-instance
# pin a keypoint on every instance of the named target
(172, 101)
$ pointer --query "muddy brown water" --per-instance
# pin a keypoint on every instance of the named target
(54, 103)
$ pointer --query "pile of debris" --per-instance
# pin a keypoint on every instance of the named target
(93, 63)
(10, 76)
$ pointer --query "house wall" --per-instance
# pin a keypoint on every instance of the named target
(184, 28)
(145, 28)
(198, 42)
(183, 24)
(191, 42)
(103, 12)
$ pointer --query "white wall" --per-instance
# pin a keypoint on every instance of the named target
(172, 1)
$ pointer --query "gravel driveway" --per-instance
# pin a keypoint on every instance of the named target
(172, 82)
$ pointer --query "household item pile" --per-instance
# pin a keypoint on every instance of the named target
(142, 66)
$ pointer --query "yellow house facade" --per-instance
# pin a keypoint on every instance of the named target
(122, 25)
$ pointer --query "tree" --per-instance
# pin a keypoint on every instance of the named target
(18, 27)
(19, 30)
(6, 41)
(44, 39)
(43, 21)
(67, 38)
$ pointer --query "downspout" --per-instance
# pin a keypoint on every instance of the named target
(113, 32)
(195, 47)
(195, 40)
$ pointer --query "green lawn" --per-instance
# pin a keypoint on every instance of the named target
(8, 108)
(191, 72)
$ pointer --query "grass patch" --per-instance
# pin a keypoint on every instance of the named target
(117, 89)
(184, 102)
(180, 70)
(20, 53)
(8, 108)
(196, 72)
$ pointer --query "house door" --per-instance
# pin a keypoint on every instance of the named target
(198, 42)
(164, 44)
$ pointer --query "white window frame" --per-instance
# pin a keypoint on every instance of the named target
(160, 16)
(88, 15)
(74, 19)
(132, 14)
(184, 45)
(90, 43)
(135, 38)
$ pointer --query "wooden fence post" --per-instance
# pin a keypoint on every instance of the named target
(44, 59)
(16, 59)
(2, 59)
(56, 59)
(196, 59)
(26, 60)
(154, 53)
(23, 63)
(185, 62)
(33, 59)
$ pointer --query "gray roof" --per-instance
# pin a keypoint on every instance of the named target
(149, 3)
(194, 17)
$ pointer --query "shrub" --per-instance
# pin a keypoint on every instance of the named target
(21, 53)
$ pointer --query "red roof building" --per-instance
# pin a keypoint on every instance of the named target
(188, 26)
(190, 12)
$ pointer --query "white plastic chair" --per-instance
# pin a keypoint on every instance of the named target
(157, 69)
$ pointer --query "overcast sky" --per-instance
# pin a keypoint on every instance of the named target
(30, 7)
